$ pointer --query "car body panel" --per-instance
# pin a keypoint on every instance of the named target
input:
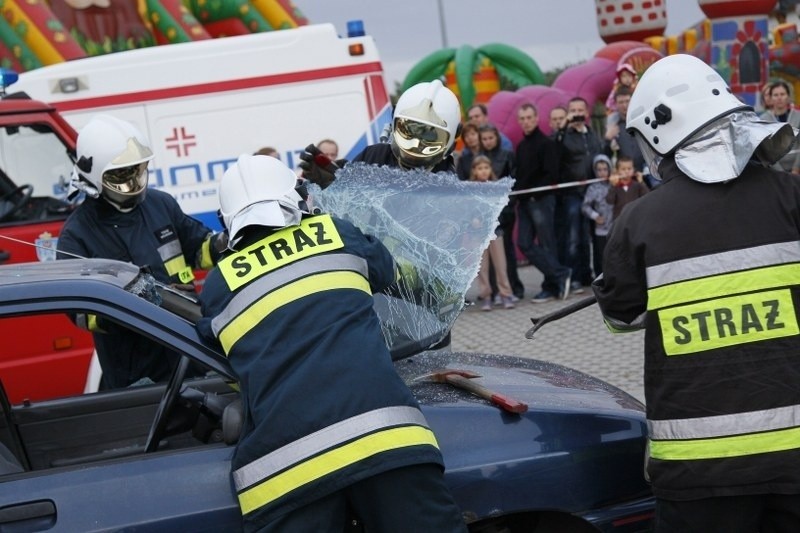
(578, 449)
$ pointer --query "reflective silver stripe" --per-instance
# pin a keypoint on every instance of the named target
(618, 326)
(725, 425)
(326, 438)
(269, 282)
(169, 250)
(722, 263)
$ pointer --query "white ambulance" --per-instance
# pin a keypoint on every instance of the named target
(204, 103)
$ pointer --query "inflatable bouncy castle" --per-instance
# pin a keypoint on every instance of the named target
(734, 39)
(34, 33)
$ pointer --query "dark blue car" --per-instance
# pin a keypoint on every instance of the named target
(156, 457)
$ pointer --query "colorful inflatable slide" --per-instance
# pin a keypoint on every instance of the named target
(34, 33)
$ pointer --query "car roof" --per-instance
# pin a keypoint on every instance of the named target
(114, 272)
(106, 287)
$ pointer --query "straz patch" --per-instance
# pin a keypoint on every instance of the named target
(313, 236)
(728, 321)
(165, 234)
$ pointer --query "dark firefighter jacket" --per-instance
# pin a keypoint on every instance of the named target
(714, 272)
(157, 234)
(381, 154)
(324, 407)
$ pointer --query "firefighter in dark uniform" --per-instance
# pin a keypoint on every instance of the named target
(329, 425)
(425, 126)
(709, 265)
(121, 219)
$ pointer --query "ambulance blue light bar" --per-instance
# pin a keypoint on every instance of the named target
(7, 77)
(355, 28)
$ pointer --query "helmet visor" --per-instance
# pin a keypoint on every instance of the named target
(420, 141)
(126, 180)
(651, 157)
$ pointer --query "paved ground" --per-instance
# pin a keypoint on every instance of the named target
(580, 341)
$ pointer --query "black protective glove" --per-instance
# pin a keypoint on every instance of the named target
(318, 168)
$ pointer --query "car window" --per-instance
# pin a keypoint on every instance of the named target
(35, 155)
(48, 420)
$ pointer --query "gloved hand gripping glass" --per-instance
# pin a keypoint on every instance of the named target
(318, 168)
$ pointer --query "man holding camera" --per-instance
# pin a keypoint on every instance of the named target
(578, 144)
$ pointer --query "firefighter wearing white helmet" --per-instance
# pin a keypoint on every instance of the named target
(113, 156)
(247, 199)
(121, 219)
(425, 127)
(707, 265)
(291, 306)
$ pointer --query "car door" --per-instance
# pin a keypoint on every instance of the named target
(77, 463)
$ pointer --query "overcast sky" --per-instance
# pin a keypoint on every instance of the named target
(555, 33)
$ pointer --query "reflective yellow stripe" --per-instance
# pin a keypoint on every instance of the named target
(177, 267)
(329, 462)
(736, 446)
(325, 281)
(723, 285)
(91, 324)
(206, 263)
(728, 321)
(761, 256)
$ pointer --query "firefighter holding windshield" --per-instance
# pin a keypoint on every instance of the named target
(425, 126)
(329, 425)
(122, 219)
(707, 264)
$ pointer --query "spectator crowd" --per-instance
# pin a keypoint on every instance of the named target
(569, 185)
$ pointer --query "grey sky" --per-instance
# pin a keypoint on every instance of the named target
(553, 32)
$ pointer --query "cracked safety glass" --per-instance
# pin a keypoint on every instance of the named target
(436, 227)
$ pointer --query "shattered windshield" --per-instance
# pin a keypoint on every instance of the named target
(436, 227)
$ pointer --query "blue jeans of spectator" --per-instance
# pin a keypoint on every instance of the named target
(573, 237)
(536, 219)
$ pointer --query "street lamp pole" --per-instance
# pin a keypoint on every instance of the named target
(442, 27)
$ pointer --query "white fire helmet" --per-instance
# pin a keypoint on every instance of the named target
(676, 97)
(425, 126)
(258, 190)
(112, 161)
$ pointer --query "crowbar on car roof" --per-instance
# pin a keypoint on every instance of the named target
(462, 379)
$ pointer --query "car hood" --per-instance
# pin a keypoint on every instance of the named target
(579, 434)
(541, 385)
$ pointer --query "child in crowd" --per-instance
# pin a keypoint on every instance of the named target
(481, 170)
(596, 208)
(627, 77)
(627, 186)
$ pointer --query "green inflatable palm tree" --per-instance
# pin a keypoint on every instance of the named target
(470, 65)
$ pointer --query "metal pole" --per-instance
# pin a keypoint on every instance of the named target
(442, 27)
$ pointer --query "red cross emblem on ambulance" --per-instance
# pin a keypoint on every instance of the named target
(180, 141)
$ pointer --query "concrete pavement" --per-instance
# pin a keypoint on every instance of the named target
(580, 341)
